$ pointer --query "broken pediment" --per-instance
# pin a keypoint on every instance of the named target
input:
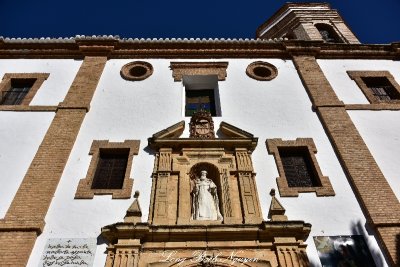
(173, 131)
(233, 132)
(202, 135)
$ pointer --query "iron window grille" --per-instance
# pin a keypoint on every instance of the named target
(111, 168)
(298, 167)
(381, 88)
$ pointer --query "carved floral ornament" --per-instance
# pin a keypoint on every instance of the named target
(136, 71)
(261, 71)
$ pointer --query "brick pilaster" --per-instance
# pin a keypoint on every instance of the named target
(25, 217)
(379, 203)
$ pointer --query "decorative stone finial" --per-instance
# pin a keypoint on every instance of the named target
(134, 213)
(272, 193)
(276, 210)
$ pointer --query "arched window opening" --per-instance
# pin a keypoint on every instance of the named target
(328, 34)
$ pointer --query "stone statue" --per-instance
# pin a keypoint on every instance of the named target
(205, 199)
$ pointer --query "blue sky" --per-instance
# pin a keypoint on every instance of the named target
(372, 21)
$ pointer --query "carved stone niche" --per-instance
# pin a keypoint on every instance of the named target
(178, 164)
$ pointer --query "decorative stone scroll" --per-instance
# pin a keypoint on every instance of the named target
(68, 252)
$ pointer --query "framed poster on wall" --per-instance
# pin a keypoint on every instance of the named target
(343, 251)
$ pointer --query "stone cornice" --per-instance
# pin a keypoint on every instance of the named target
(179, 143)
(264, 232)
(190, 48)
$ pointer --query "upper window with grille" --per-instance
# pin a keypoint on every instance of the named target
(200, 99)
(379, 87)
(17, 92)
(201, 93)
(20, 88)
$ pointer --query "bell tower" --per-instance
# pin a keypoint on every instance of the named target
(307, 22)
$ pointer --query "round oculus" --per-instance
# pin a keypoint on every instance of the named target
(136, 71)
(261, 71)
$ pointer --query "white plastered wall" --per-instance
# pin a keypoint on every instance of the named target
(381, 132)
(123, 110)
(20, 136)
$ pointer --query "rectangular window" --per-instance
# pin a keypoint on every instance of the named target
(298, 168)
(111, 168)
(200, 99)
(381, 88)
(17, 92)
(201, 92)
(19, 89)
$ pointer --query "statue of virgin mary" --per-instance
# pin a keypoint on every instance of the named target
(205, 199)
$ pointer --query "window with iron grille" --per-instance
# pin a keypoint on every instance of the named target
(201, 92)
(298, 167)
(381, 88)
(111, 168)
(17, 92)
(200, 99)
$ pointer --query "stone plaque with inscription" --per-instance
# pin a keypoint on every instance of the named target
(68, 252)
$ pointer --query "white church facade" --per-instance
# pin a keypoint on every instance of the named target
(283, 150)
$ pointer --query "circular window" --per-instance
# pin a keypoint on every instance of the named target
(136, 71)
(262, 71)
